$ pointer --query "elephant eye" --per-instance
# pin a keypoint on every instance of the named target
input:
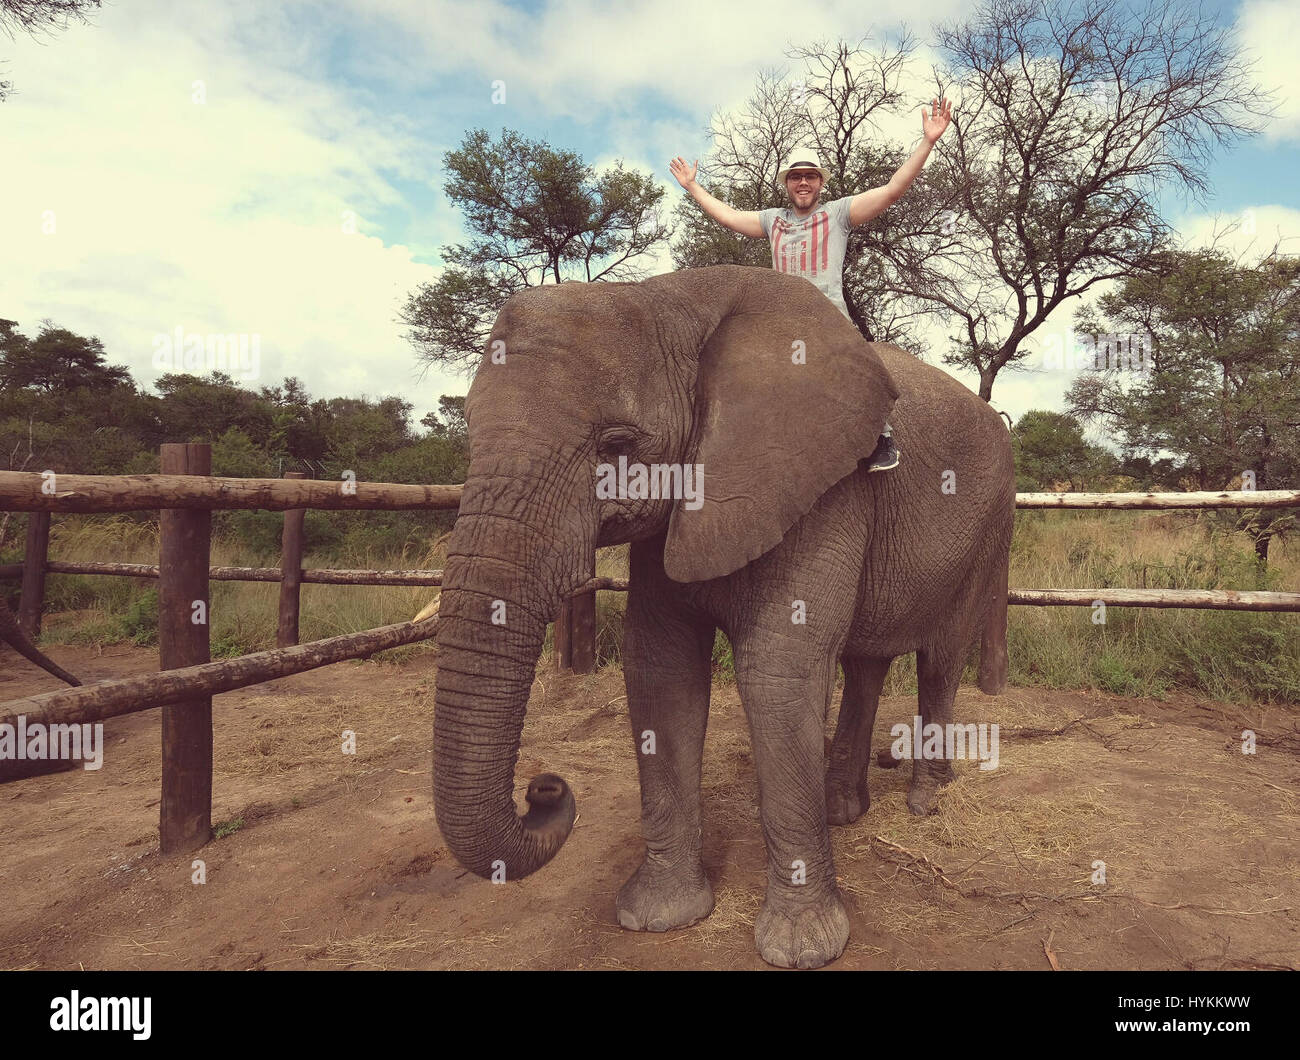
(618, 441)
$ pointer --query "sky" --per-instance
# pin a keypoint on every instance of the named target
(275, 170)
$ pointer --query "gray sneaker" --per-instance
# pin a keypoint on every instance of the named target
(885, 458)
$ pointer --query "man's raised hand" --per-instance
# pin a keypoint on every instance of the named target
(937, 120)
(684, 173)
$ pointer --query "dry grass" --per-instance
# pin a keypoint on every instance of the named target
(734, 909)
(385, 951)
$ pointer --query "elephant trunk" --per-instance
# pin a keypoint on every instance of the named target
(12, 634)
(492, 619)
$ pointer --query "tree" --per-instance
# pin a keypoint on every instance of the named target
(539, 216)
(362, 430)
(38, 16)
(200, 409)
(299, 426)
(56, 362)
(449, 420)
(1220, 390)
(1071, 114)
(63, 406)
(1050, 449)
(236, 455)
(834, 106)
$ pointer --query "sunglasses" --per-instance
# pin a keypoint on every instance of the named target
(803, 178)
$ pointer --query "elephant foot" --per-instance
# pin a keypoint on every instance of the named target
(927, 779)
(799, 935)
(845, 802)
(657, 898)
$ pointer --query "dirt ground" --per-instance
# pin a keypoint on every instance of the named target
(335, 861)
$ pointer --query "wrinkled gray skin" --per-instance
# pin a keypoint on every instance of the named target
(696, 367)
(11, 633)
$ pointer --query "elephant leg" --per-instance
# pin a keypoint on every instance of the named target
(938, 673)
(667, 663)
(803, 923)
(847, 797)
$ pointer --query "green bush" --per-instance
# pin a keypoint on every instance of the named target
(724, 663)
(140, 623)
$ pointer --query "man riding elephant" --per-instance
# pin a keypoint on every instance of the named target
(809, 240)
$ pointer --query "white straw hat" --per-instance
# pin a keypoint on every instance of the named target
(801, 158)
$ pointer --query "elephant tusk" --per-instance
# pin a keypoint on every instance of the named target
(429, 610)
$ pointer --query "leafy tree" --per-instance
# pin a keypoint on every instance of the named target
(1050, 449)
(449, 420)
(62, 406)
(538, 216)
(1221, 389)
(300, 427)
(1072, 114)
(56, 362)
(236, 455)
(199, 409)
(361, 431)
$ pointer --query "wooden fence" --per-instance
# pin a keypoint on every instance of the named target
(185, 494)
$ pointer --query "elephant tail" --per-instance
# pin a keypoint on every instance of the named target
(993, 642)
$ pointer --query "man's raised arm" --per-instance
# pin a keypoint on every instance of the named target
(866, 205)
(742, 221)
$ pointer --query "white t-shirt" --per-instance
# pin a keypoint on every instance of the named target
(812, 246)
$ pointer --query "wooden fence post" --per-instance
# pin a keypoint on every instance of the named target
(584, 632)
(185, 541)
(564, 637)
(286, 634)
(575, 633)
(32, 601)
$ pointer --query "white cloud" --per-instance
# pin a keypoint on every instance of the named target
(1246, 234)
(223, 216)
(1267, 31)
(584, 59)
(227, 216)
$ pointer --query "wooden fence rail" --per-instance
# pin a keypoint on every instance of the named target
(185, 495)
(1222, 499)
(1220, 599)
(129, 695)
(314, 575)
(27, 491)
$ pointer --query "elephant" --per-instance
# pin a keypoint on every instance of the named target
(788, 545)
(12, 634)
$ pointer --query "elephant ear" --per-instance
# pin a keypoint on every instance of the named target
(789, 397)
